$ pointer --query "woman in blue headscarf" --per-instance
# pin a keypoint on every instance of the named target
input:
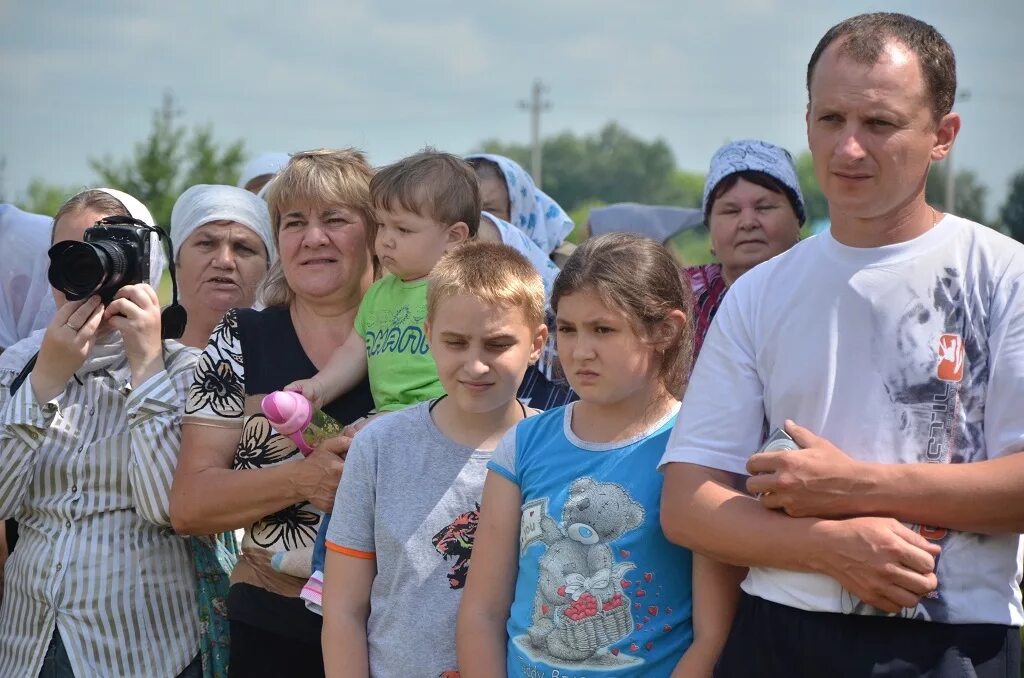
(507, 191)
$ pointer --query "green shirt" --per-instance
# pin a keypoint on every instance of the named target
(390, 321)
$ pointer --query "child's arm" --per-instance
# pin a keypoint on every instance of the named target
(716, 592)
(480, 634)
(346, 606)
(345, 369)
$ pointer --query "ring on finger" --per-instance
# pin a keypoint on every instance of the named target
(73, 328)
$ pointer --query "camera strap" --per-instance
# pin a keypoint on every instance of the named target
(173, 318)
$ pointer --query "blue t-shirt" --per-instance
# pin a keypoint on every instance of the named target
(600, 590)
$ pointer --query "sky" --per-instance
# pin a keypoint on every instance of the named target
(81, 80)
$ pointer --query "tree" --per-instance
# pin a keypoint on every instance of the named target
(170, 160)
(815, 202)
(970, 193)
(44, 198)
(609, 166)
(1011, 215)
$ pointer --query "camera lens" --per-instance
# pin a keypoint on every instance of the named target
(116, 263)
(80, 269)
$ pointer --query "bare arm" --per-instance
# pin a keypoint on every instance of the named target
(716, 592)
(346, 603)
(208, 496)
(948, 494)
(823, 481)
(481, 638)
(343, 372)
(878, 559)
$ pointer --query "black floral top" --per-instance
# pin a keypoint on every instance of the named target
(250, 354)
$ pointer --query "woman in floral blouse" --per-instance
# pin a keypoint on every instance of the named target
(235, 471)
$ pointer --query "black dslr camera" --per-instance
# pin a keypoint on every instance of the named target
(115, 253)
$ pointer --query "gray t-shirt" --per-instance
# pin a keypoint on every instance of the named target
(409, 497)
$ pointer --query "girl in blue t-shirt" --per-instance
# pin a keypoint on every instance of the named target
(571, 574)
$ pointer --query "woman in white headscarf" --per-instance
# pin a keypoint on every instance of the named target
(260, 170)
(89, 440)
(222, 249)
(25, 301)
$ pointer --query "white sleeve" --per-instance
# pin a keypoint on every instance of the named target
(720, 422)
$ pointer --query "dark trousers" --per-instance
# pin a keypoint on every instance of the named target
(56, 663)
(257, 653)
(768, 639)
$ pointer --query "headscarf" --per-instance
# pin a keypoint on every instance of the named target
(758, 156)
(516, 239)
(109, 350)
(530, 209)
(26, 304)
(204, 203)
(264, 163)
(653, 221)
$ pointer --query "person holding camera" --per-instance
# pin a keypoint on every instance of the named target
(90, 412)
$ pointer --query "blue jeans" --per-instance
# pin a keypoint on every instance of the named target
(56, 663)
(320, 545)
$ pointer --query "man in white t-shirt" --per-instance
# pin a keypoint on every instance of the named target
(892, 350)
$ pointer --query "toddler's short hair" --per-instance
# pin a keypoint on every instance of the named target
(430, 183)
(493, 273)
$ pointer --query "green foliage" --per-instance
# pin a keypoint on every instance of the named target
(814, 200)
(692, 247)
(170, 160)
(970, 194)
(579, 217)
(44, 198)
(609, 166)
(1011, 215)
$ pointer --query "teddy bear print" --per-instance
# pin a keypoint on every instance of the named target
(578, 576)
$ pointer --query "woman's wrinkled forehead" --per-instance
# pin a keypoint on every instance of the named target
(307, 208)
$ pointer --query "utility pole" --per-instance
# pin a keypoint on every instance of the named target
(950, 201)
(536, 105)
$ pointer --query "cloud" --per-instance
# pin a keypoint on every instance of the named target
(81, 79)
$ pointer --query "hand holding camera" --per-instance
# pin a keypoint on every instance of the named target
(112, 265)
(135, 313)
(67, 341)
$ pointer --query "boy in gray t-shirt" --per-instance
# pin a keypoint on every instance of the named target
(401, 535)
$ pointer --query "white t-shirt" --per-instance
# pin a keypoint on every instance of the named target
(899, 354)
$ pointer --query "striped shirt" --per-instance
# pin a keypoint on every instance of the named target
(88, 476)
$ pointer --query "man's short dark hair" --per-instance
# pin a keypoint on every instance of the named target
(863, 38)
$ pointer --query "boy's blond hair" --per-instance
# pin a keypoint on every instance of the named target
(437, 185)
(495, 274)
